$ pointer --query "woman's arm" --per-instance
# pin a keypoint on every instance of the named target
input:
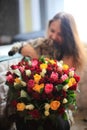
(28, 50)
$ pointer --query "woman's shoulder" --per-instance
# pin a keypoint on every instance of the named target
(69, 61)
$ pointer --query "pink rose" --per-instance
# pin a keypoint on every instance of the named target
(54, 76)
(21, 68)
(72, 69)
(34, 63)
(48, 88)
(64, 77)
(10, 78)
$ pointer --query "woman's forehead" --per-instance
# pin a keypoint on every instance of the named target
(56, 25)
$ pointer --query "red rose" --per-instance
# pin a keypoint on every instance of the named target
(14, 103)
(61, 110)
(30, 83)
(35, 114)
(77, 77)
(14, 67)
(74, 87)
(36, 95)
(64, 93)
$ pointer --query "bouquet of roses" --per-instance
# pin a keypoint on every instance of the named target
(41, 88)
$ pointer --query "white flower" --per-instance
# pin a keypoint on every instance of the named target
(30, 107)
(46, 113)
(17, 72)
(23, 93)
(28, 72)
(43, 72)
(71, 73)
(60, 65)
(65, 88)
(23, 83)
(46, 62)
(65, 100)
(47, 106)
(29, 62)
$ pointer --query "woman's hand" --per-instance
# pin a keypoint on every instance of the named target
(28, 50)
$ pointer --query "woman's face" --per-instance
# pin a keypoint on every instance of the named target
(54, 32)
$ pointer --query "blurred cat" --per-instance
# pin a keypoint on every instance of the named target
(42, 46)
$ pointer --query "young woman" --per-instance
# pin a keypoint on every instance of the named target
(63, 32)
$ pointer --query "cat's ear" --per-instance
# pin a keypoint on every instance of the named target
(48, 41)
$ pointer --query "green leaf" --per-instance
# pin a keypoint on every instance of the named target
(59, 87)
(26, 59)
(42, 59)
(66, 81)
(65, 116)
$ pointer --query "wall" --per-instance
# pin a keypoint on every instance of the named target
(82, 95)
(9, 17)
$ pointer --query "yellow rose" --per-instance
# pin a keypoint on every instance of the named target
(37, 78)
(54, 105)
(72, 81)
(43, 66)
(65, 67)
(20, 106)
(52, 61)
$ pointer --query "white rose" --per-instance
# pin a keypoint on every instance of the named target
(23, 93)
(23, 83)
(65, 100)
(46, 113)
(17, 72)
(28, 72)
(47, 106)
(30, 63)
(43, 72)
(65, 87)
(71, 73)
(30, 107)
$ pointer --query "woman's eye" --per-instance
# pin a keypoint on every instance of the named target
(52, 30)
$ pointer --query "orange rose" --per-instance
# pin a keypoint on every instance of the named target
(38, 87)
(54, 105)
(20, 106)
(17, 80)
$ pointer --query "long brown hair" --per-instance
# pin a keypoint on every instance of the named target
(72, 45)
